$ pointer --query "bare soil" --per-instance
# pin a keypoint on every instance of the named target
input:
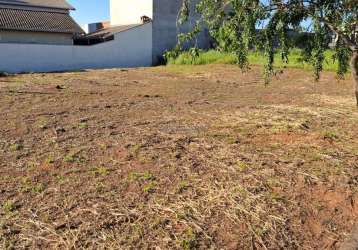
(203, 157)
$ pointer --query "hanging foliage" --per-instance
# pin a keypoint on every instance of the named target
(238, 26)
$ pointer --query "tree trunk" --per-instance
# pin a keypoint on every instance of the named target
(354, 68)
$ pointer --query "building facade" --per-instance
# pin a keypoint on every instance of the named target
(40, 35)
(37, 22)
(164, 15)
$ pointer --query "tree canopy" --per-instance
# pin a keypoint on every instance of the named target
(239, 26)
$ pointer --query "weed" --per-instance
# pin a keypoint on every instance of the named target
(242, 166)
(83, 125)
(190, 240)
(25, 185)
(8, 206)
(315, 156)
(139, 176)
(71, 157)
(104, 146)
(100, 171)
(16, 147)
(50, 160)
(144, 159)
(135, 149)
(42, 124)
(28, 186)
(38, 188)
(61, 179)
(31, 165)
(183, 185)
(281, 128)
(273, 182)
(100, 187)
(150, 187)
(331, 136)
(276, 197)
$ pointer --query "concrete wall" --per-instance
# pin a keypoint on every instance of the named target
(131, 48)
(35, 37)
(124, 12)
(164, 14)
(165, 30)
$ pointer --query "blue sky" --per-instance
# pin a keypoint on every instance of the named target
(90, 11)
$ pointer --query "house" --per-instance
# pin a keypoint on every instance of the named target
(163, 14)
(40, 36)
(37, 22)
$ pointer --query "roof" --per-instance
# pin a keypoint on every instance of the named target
(41, 21)
(57, 4)
(103, 33)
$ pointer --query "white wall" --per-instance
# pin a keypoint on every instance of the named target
(124, 12)
(131, 48)
(35, 37)
(164, 14)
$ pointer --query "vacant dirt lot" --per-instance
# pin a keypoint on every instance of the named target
(177, 158)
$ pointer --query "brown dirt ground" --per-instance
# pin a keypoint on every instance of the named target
(177, 158)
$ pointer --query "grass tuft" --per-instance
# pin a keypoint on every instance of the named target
(16, 147)
(8, 206)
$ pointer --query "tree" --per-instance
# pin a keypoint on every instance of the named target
(241, 25)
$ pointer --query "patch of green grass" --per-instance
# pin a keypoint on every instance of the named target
(295, 60)
(255, 58)
(208, 57)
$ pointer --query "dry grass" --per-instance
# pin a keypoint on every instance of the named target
(198, 157)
